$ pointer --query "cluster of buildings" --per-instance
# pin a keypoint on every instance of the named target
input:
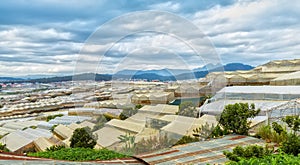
(272, 87)
(278, 72)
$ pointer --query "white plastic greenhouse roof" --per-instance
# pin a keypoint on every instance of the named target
(107, 136)
(290, 76)
(161, 108)
(141, 117)
(66, 120)
(218, 106)
(15, 141)
(125, 125)
(183, 125)
(19, 139)
(262, 89)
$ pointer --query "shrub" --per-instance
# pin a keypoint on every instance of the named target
(53, 127)
(48, 118)
(270, 135)
(291, 145)
(109, 116)
(3, 147)
(293, 122)
(186, 139)
(138, 106)
(55, 148)
(79, 154)
(33, 127)
(277, 128)
(234, 117)
(218, 131)
(127, 113)
(273, 159)
(82, 138)
(247, 152)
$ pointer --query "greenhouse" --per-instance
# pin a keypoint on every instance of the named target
(108, 139)
(258, 93)
(181, 125)
(287, 79)
(153, 98)
(42, 143)
(125, 125)
(63, 132)
(23, 139)
(217, 107)
(67, 120)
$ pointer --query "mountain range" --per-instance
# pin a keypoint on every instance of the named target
(162, 74)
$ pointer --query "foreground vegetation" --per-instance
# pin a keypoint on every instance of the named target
(79, 154)
(289, 145)
(273, 159)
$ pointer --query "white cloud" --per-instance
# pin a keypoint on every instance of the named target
(166, 6)
(253, 32)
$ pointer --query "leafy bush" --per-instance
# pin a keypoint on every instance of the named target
(55, 148)
(291, 145)
(33, 127)
(247, 152)
(234, 117)
(48, 118)
(127, 113)
(109, 116)
(138, 106)
(293, 122)
(53, 127)
(3, 147)
(186, 139)
(272, 159)
(277, 128)
(218, 131)
(83, 137)
(270, 135)
(79, 154)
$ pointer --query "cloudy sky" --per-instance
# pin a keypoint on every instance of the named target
(57, 37)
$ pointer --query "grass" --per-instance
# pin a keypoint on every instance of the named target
(79, 154)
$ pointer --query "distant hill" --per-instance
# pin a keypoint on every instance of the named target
(178, 74)
(162, 75)
(7, 79)
(237, 66)
(84, 76)
(161, 72)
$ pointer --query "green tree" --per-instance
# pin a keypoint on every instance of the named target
(83, 138)
(138, 106)
(3, 147)
(291, 145)
(293, 122)
(251, 151)
(188, 109)
(234, 117)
